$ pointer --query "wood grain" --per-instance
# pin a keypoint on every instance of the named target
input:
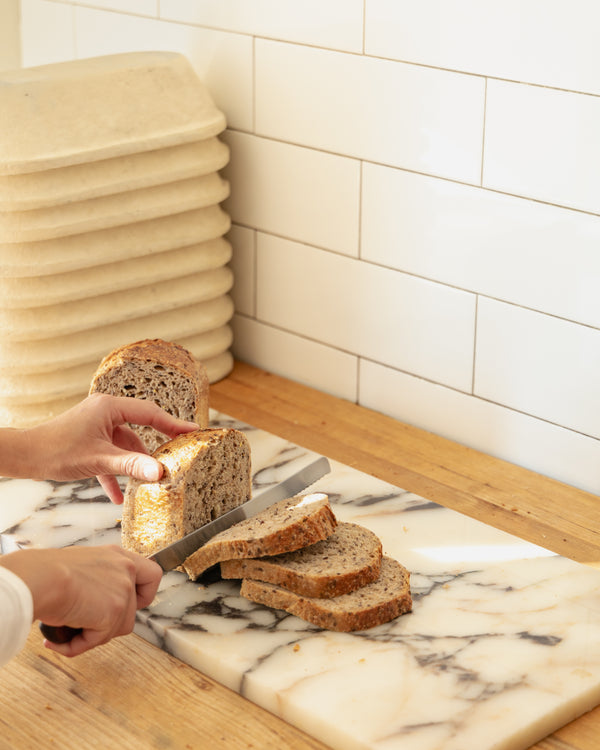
(129, 694)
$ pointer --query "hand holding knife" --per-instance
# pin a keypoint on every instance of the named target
(173, 555)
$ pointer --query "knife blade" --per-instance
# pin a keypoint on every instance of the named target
(174, 554)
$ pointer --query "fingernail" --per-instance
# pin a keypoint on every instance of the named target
(150, 471)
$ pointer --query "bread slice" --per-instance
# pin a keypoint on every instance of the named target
(206, 473)
(283, 527)
(159, 371)
(347, 560)
(374, 604)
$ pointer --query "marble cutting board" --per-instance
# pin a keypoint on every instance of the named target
(502, 646)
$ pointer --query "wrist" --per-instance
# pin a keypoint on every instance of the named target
(45, 580)
(16, 453)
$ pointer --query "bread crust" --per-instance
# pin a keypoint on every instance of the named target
(347, 560)
(379, 602)
(151, 356)
(205, 473)
(147, 350)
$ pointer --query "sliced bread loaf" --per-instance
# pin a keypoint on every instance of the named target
(206, 473)
(159, 371)
(283, 527)
(374, 604)
(347, 560)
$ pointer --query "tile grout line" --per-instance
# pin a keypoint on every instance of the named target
(359, 248)
(445, 386)
(340, 50)
(476, 311)
(429, 279)
(407, 170)
(255, 274)
(254, 85)
(485, 92)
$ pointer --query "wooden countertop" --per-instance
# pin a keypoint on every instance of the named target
(129, 694)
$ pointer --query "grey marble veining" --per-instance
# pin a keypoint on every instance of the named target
(502, 646)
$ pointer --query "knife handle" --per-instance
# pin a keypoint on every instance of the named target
(59, 633)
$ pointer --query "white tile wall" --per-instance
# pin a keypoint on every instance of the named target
(243, 265)
(520, 251)
(48, 32)
(337, 24)
(539, 364)
(296, 192)
(544, 144)
(367, 310)
(294, 357)
(416, 197)
(548, 42)
(379, 110)
(552, 450)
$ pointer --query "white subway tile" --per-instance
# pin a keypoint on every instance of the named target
(243, 265)
(324, 23)
(401, 115)
(294, 357)
(47, 33)
(223, 61)
(297, 192)
(517, 250)
(538, 364)
(398, 320)
(139, 7)
(553, 43)
(543, 144)
(520, 439)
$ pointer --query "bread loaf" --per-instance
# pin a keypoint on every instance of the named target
(159, 371)
(283, 527)
(347, 560)
(206, 473)
(374, 604)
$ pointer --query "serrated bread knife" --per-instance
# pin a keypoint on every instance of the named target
(173, 555)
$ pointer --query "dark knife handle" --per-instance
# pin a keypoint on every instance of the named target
(59, 633)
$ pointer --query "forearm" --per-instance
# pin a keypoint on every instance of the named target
(18, 454)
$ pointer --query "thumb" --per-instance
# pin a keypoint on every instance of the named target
(137, 465)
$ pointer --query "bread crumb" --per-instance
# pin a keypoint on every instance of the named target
(296, 647)
(362, 661)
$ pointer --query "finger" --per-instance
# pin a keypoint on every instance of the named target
(118, 462)
(111, 487)
(140, 411)
(124, 437)
(147, 583)
(84, 641)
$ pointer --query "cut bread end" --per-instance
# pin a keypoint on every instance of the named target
(160, 371)
(206, 473)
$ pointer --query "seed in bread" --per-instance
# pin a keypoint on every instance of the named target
(374, 604)
(159, 371)
(283, 527)
(347, 560)
(206, 473)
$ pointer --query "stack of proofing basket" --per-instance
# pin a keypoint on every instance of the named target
(110, 225)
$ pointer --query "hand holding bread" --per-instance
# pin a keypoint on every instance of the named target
(292, 556)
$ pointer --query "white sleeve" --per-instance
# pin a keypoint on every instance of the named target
(16, 614)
